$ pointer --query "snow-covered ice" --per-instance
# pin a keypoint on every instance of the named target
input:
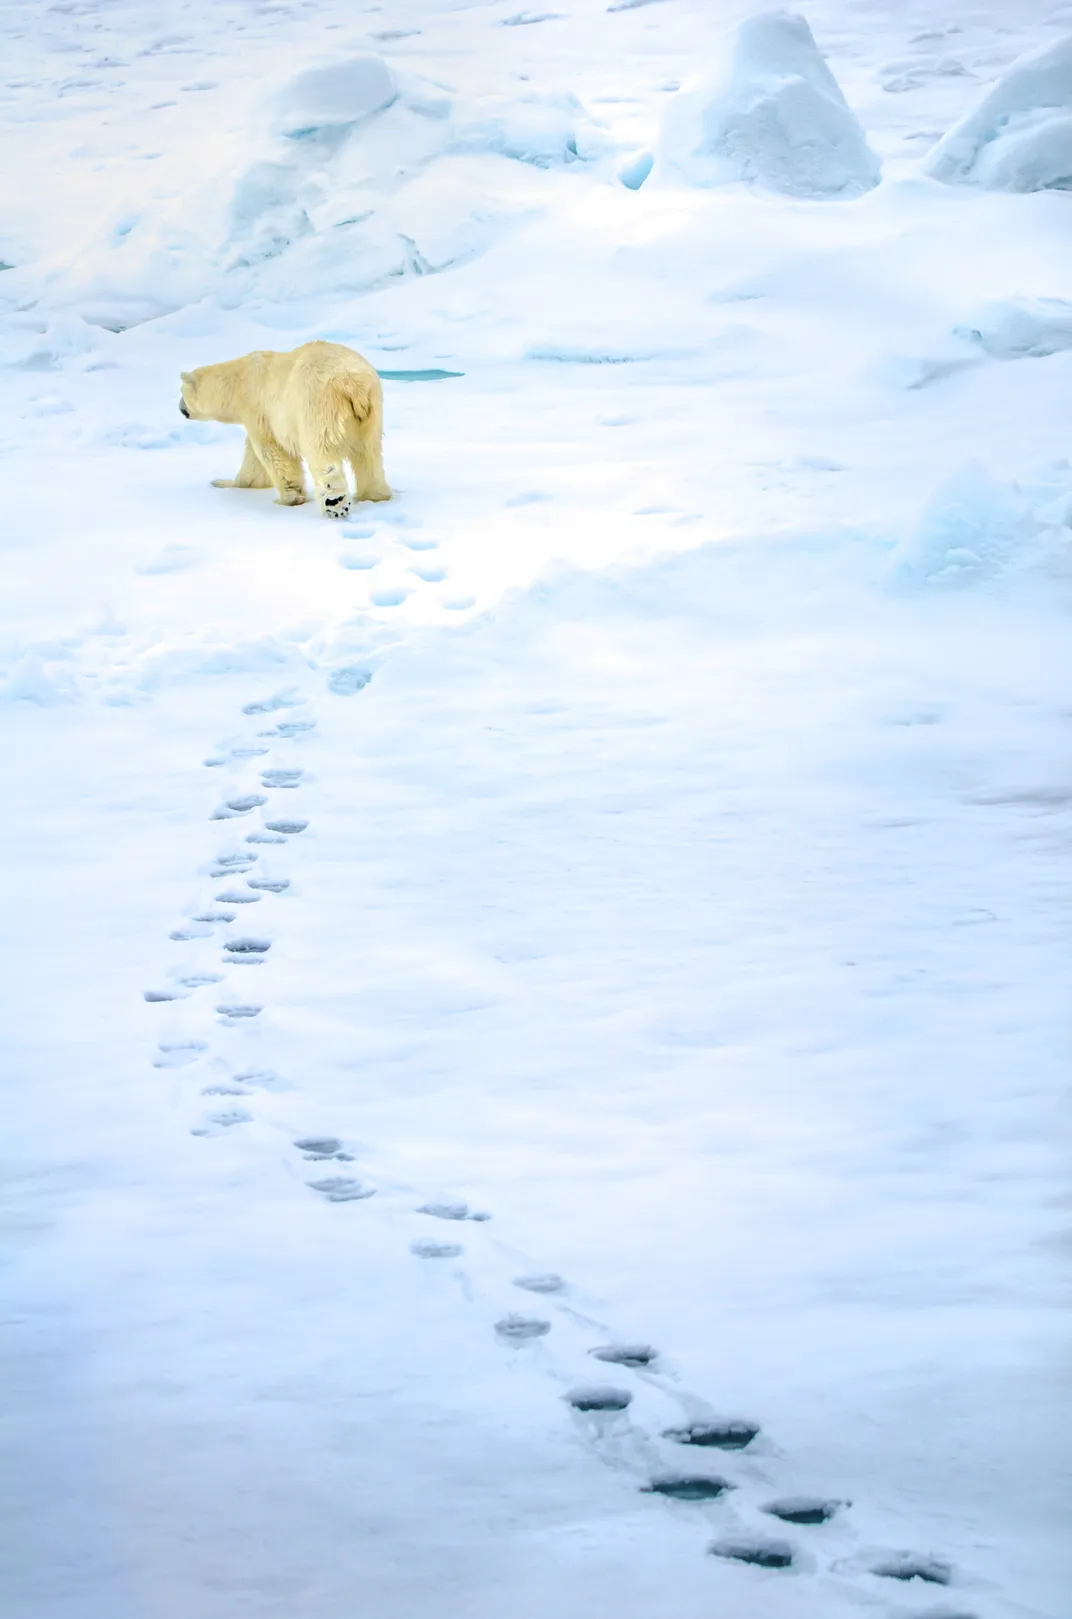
(769, 111)
(1019, 137)
(536, 1022)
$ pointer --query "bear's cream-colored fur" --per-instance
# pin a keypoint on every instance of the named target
(321, 404)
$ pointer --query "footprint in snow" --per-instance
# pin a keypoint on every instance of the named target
(599, 1399)
(426, 1248)
(236, 1011)
(545, 1283)
(907, 1566)
(269, 885)
(715, 1435)
(290, 728)
(265, 837)
(198, 980)
(235, 860)
(390, 596)
(357, 561)
(175, 994)
(217, 1123)
(281, 778)
(263, 1079)
(247, 946)
(452, 1211)
(196, 930)
(417, 544)
(459, 604)
(688, 1487)
(215, 916)
(248, 753)
(342, 1189)
(760, 1553)
(319, 1148)
(242, 805)
(430, 575)
(289, 828)
(346, 681)
(269, 705)
(519, 1329)
(804, 1509)
(634, 1355)
(235, 896)
(178, 1053)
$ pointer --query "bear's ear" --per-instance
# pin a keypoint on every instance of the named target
(186, 376)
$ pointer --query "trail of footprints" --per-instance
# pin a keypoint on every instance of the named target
(370, 550)
(673, 1463)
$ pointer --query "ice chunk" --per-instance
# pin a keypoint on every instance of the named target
(1014, 328)
(635, 170)
(1019, 137)
(544, 129)
(972, 528)
(768, 111)
(329, 98)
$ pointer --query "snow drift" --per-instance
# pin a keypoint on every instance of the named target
(974, 529)
(769, 112)
(349, 176)
(1021, 328)
(1019, 137)
(326, 99)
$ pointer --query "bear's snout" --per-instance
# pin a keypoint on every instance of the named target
(182, 407)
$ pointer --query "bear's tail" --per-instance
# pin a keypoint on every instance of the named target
(355, 400)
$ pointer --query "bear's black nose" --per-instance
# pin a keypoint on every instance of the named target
(182, 407)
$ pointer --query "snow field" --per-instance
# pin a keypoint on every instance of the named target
(536, 1015)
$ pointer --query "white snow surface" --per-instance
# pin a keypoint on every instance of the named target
(612, 896)
(1019, 137)
(769, 112)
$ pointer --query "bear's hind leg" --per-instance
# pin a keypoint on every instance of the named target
(329, 481)
(250, 475)
(366, 459)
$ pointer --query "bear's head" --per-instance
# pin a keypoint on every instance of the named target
(208, 395)
(188, 394)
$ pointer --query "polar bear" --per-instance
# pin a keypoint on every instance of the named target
(322, 404)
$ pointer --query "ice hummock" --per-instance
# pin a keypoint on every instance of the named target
(769, 112)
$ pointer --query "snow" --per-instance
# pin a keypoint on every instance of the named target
(535, 1018)
(1022, 327)
(974, 529)
(769, 112)
(326, 101)
(1019, 137)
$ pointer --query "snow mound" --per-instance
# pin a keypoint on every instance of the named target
(769, 112)
(1015, 328)
(542, 129)
(1019, 137)
(325, 99)
(348, 178)
(973, 529)
(66, 340)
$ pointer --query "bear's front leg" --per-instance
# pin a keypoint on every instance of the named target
(250, 475)
(329, 482)
(285, 471)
